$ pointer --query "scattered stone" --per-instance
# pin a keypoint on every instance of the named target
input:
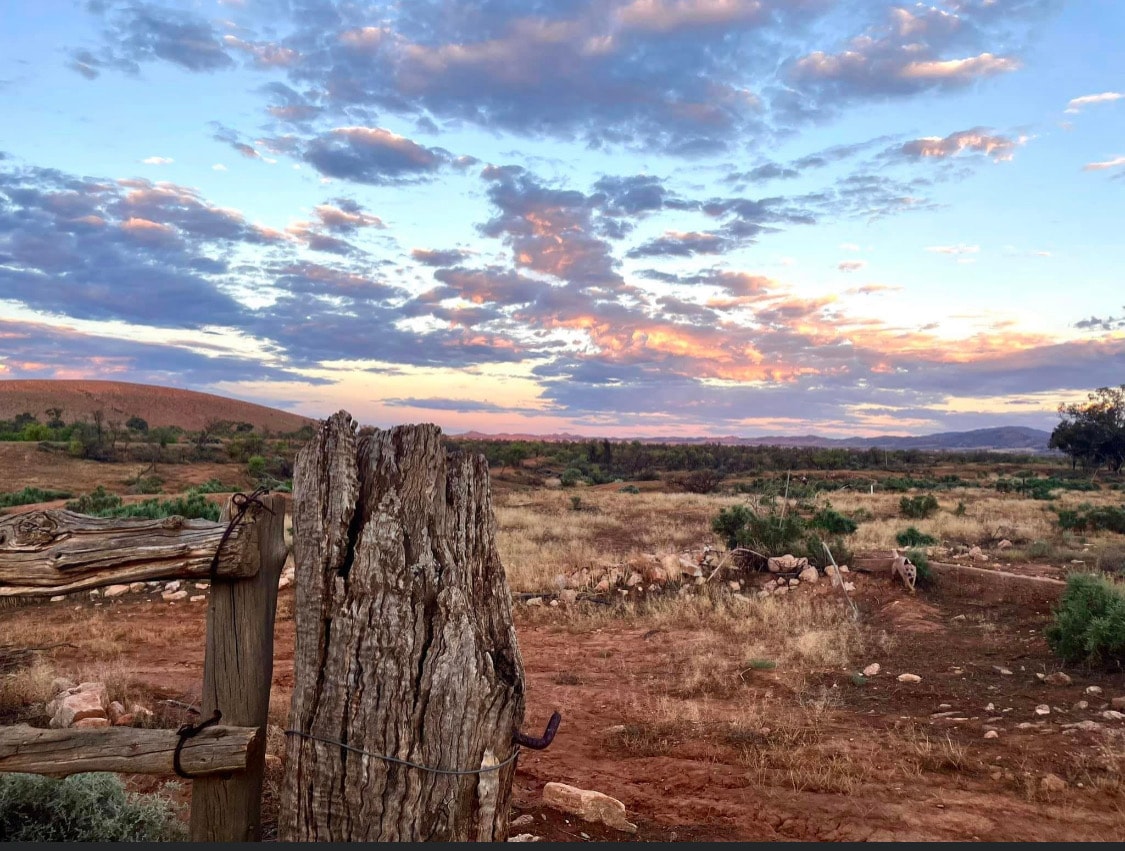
(116, 590)
(95, 594)
(977, 554)
(1052, 783)
(959, 618)
(1093, 689)
(173, 596)
(990, 708)
(844, 568)
(198, 598)
(523, 837)
(781, 590)
(1113, 715)
(1085, 726)
(520, 821)
(1004, 672)
(174, 585)
(203, 586)
(1042, 709)
(137, 587)
(734, 585)
(90, 723)
(1118, 703)
(58, 598)
(909, 678)
(809, 575)
(534, 601)
(992, 734)
(85, 700)
(1080, 705)
(588, 805)
(554, 604)
(1024, 725)
(871, 670)
(1058, 678)
(1004, 545)
(849, 587)
(634, 579)
(945, 706)
(794, 582)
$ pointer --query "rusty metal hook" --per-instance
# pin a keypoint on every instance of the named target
(547, 737)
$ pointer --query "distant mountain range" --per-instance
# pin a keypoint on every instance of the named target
(1002, 439)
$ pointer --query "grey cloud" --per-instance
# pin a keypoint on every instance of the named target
(372, 155)
(447, 257)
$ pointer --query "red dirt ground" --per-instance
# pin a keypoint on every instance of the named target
(695, 784)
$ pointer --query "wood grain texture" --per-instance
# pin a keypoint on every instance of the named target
(405, 644)
(59, 753)
(237, 674)
(43, 553)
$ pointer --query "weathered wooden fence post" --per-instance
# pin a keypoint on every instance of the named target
(237, 674)
(405, 644)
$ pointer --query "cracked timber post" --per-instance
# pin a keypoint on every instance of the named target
(405, 644)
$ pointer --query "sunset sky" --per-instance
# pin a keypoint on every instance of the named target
(611, 217)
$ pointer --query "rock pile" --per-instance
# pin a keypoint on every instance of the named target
(87, 705)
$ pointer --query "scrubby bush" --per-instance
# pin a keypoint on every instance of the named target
(30, 496)
(770, 532)
(833, 522)
(570, 477)
(95, 503)
(911, 537)
(1089, 623)
(918, 507)
(91, 807)
(1087, 518)
(629, 489)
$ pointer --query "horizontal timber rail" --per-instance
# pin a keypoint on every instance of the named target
(43, 553)
(58, 753)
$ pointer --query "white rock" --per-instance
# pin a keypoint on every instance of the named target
(198, 598)
(138, 587)
(871, 670)
(1080, 705)
(524, 837)
(95, 594)
(781, 591)
(173, 596)
(634, 579)
(992, 734)
(849, 586)
(554, 604)
(990, 708)
(794, 582)
(1042, 709)
(86, 700)
(909, 678)
(734, 585)
(116, 590)
(1093, 689)
(203, 586)
(844, 568)
(58, 598)
(174, 585)
(534, 601)
(528, 818)
(1058, 678)
(588, 805)
(1004, 672)
(1113, 715)
(809, 575)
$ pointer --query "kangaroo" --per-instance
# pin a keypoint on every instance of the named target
(905, 570)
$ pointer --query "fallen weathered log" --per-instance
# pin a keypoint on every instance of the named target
(57, 551)
(129, 750)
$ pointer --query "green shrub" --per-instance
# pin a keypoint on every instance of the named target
(147, 484)
(773, 533)
(911, 537)
(959, 511)
(1089, 623)
(833, 522)
(570, 477)
(918, 507)
(214, 486)
(1087, 518)
(190, 506)
(1040, 549)
(629, 489)
(90, 807)
(95, 503)
(30, 496)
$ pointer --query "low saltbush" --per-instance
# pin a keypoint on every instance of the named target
(82, 808)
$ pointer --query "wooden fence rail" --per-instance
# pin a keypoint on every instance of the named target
(44, 553)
